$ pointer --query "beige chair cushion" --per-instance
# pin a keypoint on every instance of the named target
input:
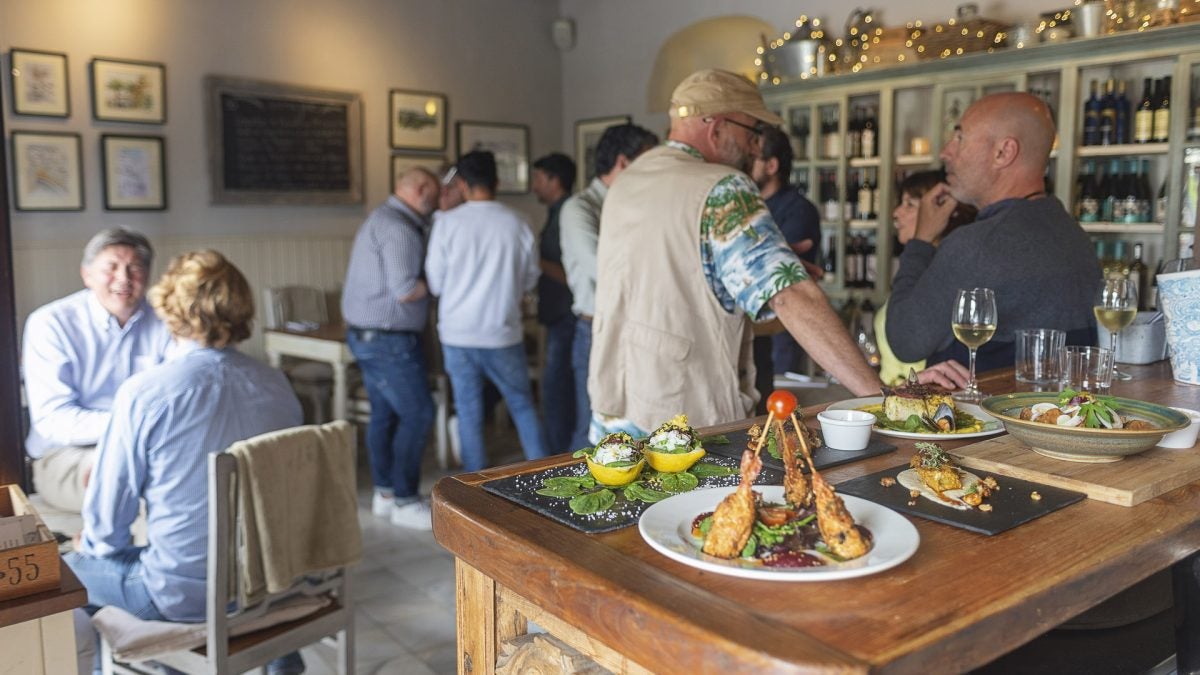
(133, 639)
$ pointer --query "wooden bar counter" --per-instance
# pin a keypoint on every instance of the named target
(962, 600)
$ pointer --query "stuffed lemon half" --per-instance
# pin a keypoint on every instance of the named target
(674, 446)
(615, 461)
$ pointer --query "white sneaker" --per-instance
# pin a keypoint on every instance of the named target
(415, 515)
(382, 505)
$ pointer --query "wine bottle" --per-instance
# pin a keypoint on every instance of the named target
(1162, 113)
(1089, 197)
(869, 137)
(800, 135)
(1121, 124)
(1108, 113)
(1091, 117)
(854, 135)
(1160, 204)
(864, 199)
(1101, 253)
(829, 258)
(1138, 273)
(870, 263)
(1143, 121)
(850, 204)
(1145, 193)
(1130, 196)
(829, 187)
(1115, 269)
(1110, 210)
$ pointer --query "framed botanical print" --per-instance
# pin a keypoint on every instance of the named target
(510, 144)
(417, 120)
(587, 136)
(39, 83)
(401, 163)
(134, 173)
(47, 171)
(129, 91)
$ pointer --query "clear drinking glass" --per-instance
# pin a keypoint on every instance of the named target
(1115, 308)
(974, 323)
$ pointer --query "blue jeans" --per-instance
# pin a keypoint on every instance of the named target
(397, 382)
(558, 385)
(581, 351)
(117, 580)
(507, 368)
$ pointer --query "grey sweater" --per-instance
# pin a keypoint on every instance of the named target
(1029, 251)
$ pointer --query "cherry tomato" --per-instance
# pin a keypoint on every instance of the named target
(781, 403)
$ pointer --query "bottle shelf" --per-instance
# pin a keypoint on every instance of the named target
(913, 160)
(1130, 228)
(857, 224)
(859, 162)
(1122, 150)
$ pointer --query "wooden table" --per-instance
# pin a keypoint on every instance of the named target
(326, 343)
(37, 632)
(961, 601)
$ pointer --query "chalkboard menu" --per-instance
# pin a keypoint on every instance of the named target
(282, 144)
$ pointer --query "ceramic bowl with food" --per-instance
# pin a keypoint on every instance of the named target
(1081, 443)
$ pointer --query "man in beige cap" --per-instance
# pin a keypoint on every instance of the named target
(688, 256)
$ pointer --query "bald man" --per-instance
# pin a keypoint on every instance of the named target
(1024, 245)
(386, 304)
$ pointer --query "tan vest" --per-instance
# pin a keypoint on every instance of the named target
(661, 342)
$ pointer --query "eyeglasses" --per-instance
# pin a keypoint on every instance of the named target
(758, 129)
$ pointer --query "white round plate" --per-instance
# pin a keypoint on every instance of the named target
(991, 425)
(667, 527)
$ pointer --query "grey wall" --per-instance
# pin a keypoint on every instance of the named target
(493, 59)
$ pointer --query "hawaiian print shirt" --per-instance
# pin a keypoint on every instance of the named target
(745, 257)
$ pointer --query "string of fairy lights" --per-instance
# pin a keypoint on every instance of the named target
(810, 51)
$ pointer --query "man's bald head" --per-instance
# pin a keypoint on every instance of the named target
(418, 188)
(999, 149)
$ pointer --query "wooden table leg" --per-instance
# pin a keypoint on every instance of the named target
(340, 395)
(475, 593)
(1186, 576)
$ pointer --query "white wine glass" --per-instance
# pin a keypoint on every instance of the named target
(1115, 308)
(974, 323)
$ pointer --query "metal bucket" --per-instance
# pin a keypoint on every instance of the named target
(798, 59)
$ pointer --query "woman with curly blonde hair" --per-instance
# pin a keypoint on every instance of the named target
(165, 423)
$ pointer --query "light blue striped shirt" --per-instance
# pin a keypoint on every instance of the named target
(482, 260)
(385, 264)
(165, 423)
(74, 356)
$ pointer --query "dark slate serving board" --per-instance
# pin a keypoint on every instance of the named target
(1011, 504)
(823, 457)
(523, 488)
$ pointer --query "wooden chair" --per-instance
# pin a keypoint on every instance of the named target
(235, 640)
(312, 381)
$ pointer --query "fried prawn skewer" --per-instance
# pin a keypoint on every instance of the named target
(796, 488)
(836, 524)
(733, 519)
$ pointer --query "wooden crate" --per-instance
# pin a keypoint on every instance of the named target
(32, 568)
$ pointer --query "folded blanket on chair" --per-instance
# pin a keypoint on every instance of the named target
(298, 504)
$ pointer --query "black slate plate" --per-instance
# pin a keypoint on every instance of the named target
(523, 489)
(823, 457)
(1011, 504)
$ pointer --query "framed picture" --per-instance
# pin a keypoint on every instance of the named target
(510, 144)
(313, 154)
(39, 83)
(418, 120)
(402, 163)
(587, 136)
(134, 174)
(129, 91)
(47, 171)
